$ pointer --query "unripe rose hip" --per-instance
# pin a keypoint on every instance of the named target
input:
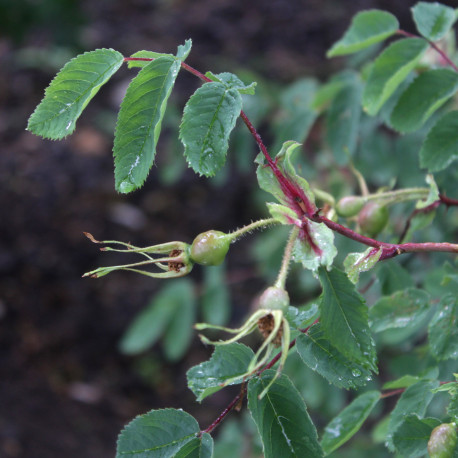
(274, 298)
(373, 218)
(442, 441)
(210, 248)
(349, 206)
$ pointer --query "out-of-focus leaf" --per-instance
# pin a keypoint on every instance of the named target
(349, 421)
(428, 92)
(433, 20)
(390, 69)
(440, 148)
(367, 28)
(401, 309)
(215, 298)
(355, 263)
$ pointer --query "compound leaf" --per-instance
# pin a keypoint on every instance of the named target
(412, 436)
(349, 421)
(158, 433)
(227, 362)
(282, 419)
(414, 400)
(433, 20)
(367, 28)
(317, 352)
(139, 122)
(443, 329)
(208, 119)
(344, 318)
(422, 98)
(401, 309)
(440, 148)
(70, 92)
(390, 69)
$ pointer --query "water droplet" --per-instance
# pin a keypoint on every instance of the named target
(355, 372)
(68, 125)
(126, 187)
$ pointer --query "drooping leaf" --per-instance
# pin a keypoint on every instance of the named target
(282, 419)
(414, 400)
(342, 119)
(440, 148)
(208, 119)
(232, 81)
(443, 329)
(389, 70)
(200, 447)
(411, 437)
(344, 318)
(349, 421)
(158, 433)
(355, 263)
(367, 28)
(401, 309)
(150, 324)
(139, 122)
(433, 20)
(227, 361)
(215, 298)
(70, 92)
(315, 246)
(320, 356)
(429, 91)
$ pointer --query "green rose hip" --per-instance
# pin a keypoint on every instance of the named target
(210, 248)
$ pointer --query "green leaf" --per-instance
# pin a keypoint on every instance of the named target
(282, 213)
(367, 28)
(149, 325)
(70, 92)
(344, 318)
(429, 91)
(296, 116)
(433, 20)
(412, 436)
(317, 352)
(200, 447)
(300, 318)
(355, 263)
(159, 433)
(314, 247)
(401, 382)
(282, 419)
(227, 362)
(342, 120)
(139, 122)
(440, 148)
(401, 309)
(433, 195)
(414, 400)
(215, 299)
(145, 55)
(349, 421)
(443, 329)
(393, 277)
(208, 119)
(232, 81)
(390, 69)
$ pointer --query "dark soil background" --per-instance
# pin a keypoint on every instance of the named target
(64, 388)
